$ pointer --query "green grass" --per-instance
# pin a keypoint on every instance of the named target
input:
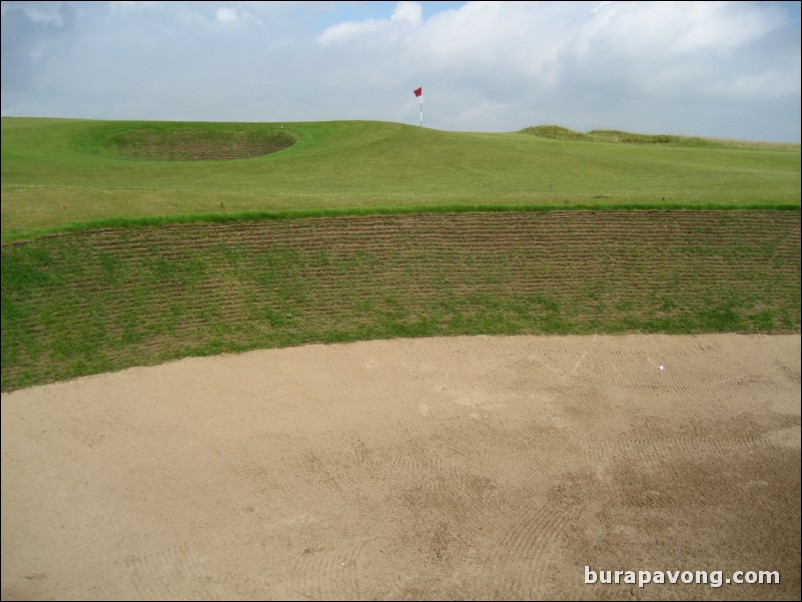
(56, 172)
(103, 299)
(120, 248)
(220, 218)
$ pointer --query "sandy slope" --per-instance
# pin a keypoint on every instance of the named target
(433, 468)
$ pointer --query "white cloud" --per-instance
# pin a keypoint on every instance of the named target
(411, 12)
(226, 15)
(128, 5)
(672, 29)
(405, 13)
(350, 29)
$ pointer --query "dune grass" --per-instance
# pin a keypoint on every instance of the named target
(557, 132)
(56, 172)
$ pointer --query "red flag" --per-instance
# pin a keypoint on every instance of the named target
(418, 92)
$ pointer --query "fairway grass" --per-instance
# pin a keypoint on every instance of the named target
(56, 172)
(105, 299)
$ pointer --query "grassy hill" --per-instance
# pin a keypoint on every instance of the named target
(361, 230)
(60, 171)
(556, 132)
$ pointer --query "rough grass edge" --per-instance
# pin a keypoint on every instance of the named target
(166, 220)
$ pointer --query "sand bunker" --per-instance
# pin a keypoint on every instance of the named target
(433, 468)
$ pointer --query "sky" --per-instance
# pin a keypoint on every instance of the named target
(714, 69)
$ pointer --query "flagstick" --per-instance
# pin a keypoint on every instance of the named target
(421, 109)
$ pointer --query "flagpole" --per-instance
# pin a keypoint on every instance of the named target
(419, 93)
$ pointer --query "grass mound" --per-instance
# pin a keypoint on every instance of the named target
(197, 144)
(554, 132)
(631, 138)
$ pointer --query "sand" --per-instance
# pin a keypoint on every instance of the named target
(466, 467)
